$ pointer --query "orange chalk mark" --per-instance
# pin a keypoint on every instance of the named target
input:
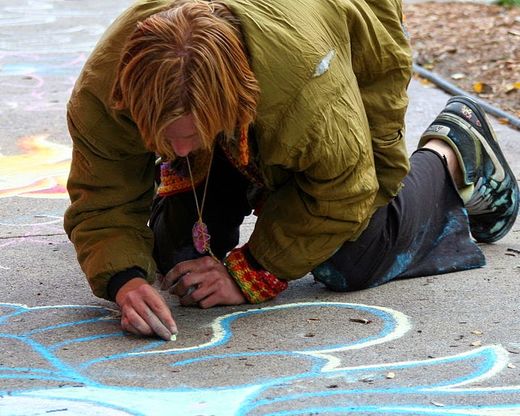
(40, 171)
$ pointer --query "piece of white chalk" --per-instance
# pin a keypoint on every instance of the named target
(173, 337)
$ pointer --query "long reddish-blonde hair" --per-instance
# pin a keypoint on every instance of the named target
(187, 59)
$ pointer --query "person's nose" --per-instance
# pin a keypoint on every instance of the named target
(182, 147)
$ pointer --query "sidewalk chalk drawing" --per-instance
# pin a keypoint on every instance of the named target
(36, 84)
(28, 229)
(40, 171)
(62, 27)
(38, 72)
(68, 359)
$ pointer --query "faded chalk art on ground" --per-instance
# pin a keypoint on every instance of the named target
(39, 171)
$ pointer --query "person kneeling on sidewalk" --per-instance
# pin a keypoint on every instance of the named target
(291, 109)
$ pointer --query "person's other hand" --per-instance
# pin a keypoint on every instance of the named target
(144, 311)
(204, 282)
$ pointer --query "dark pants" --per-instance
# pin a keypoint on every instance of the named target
(423, 231)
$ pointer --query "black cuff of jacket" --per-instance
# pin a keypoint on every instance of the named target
(119, 279)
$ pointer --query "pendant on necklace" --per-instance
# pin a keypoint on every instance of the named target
(200, 237)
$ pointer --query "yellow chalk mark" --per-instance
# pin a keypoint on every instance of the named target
(40, 171)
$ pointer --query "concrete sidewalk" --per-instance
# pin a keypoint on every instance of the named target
(438, 345)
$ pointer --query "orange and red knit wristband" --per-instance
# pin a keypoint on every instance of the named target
(256, 285)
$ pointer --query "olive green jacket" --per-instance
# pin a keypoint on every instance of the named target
(330, 135)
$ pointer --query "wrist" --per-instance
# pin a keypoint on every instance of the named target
(118, 280)
(129, 286)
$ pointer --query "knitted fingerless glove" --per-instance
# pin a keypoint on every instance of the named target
(257, 285)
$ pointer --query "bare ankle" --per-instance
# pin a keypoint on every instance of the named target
(450, 156)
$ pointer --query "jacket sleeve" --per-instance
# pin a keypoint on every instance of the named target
(111, 190)
(327, 197)
(383, 68)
